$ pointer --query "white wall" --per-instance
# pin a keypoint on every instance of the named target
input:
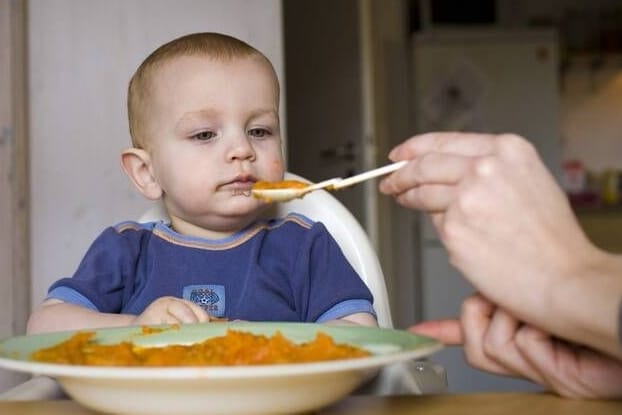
(82, 54)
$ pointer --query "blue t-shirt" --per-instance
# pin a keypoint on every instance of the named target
(288, 269)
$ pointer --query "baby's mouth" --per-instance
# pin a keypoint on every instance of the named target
(241, 185)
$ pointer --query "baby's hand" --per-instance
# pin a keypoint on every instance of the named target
(172, 310)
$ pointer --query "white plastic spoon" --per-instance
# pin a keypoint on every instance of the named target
(283, 194)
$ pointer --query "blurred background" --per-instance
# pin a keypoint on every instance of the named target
(358, 77)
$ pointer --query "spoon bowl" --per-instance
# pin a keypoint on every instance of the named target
(284, 194)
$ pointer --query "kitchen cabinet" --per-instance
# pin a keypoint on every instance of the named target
(603, 226)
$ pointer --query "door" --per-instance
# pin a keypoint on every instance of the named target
(347, 104)
(323, 80)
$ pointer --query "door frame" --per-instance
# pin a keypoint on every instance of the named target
(14, 178)
(14, 182)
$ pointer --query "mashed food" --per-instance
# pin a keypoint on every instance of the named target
(234, 348)
(283, 184)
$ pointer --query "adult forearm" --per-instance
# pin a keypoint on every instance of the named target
(585, 307)
(64, 316)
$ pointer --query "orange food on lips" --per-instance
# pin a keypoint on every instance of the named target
(234, 348)
(284, 184)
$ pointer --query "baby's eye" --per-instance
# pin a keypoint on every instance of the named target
(259, 132)
(203, 136)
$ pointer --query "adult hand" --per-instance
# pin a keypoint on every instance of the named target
(497, 342)
(172, 310)
(488, 194)
(508, 227)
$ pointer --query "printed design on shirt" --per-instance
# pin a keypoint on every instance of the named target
(210, 297)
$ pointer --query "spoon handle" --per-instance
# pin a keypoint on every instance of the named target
(322, 185)
(369, 175)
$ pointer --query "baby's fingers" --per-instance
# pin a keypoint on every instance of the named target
(185, 311)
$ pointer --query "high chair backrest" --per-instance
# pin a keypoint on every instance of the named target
(323, 207)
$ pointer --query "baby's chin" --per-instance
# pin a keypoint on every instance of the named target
(243, 203)
(242, 192)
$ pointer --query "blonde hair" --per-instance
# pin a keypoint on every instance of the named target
(212, 45)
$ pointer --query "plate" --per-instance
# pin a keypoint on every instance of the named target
(252, 390)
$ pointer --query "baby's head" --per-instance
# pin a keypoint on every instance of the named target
(214, 46)
(204, 121)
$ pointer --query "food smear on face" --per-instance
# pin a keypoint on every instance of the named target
(234, 348)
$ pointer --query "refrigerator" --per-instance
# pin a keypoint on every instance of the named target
(487, 81)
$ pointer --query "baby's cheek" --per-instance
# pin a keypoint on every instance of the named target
(277, 170)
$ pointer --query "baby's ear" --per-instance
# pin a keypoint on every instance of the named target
(137, 165)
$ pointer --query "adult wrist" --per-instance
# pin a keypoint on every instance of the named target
(585, 306)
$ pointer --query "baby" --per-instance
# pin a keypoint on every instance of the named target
(204, 119)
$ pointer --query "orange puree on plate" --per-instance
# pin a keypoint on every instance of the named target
(234, 348)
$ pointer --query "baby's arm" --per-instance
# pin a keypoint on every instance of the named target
(361, 319)
(55, 315)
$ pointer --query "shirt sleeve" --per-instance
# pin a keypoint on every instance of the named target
(104, 274)
(345, 308)
(335, 290)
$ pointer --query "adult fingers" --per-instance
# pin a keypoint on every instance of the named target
(571, 370)
(500, 346)
(434, 198)
(427, 169)
(446, 331)
(476, 318)
(465, 144)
